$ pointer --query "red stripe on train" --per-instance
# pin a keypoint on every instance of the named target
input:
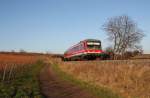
(82, 51)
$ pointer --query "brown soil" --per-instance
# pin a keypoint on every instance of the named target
(52, 86)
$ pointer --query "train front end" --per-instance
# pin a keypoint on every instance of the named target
(93, 50)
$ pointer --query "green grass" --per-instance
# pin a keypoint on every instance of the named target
(25, 84)
(100, 92)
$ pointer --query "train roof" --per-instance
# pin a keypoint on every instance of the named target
(91, 40)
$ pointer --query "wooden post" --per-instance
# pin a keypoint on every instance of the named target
(4, 74)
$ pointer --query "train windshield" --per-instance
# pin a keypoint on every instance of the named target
(93, 45)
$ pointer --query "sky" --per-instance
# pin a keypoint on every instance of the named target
(55, 25)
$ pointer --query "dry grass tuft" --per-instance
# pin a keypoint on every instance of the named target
(131, 78)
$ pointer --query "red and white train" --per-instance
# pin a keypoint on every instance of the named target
(89, 49)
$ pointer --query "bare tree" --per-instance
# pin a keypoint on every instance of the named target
(124, 33)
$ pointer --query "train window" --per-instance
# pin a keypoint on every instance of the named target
(81, 46)
(93, 45)
(78, 47)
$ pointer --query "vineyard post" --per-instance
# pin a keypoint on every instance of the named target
(4, 72)
(11, 70)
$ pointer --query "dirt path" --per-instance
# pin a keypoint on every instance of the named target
(53, 87)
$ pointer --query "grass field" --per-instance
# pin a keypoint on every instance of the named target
(19, 76)
(130, 78)
(107, 79)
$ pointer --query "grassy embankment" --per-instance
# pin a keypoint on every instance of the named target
(130, 78)
(25, 84)
(98, 91)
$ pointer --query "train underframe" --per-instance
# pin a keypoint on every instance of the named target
(88, 56)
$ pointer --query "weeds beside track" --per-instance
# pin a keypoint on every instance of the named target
(100, 92)
(130, 78)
